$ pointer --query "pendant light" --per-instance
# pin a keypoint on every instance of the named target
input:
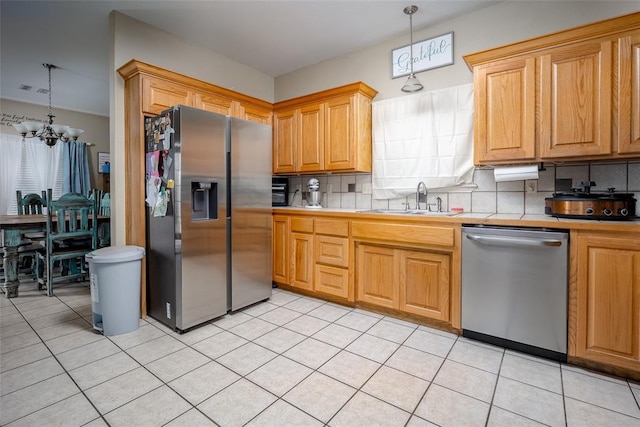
(48, 132)
(412, 84)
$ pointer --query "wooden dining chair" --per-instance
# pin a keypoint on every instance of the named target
(31, 204)
(72, 232)
(104, 231)
(32, 243)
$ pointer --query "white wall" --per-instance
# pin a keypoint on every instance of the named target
(504, 23)
(132, 39)
(96, 128)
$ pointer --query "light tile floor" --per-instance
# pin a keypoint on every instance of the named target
(291, 361)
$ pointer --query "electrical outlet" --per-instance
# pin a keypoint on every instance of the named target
(329, 188)
(366, 188)
(531, 185)
(298, 188)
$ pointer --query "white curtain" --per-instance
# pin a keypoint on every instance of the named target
(45, 162)
(10, 160)
(425, 137)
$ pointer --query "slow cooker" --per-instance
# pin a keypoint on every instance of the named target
(581, 203)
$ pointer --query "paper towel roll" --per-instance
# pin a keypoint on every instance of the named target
(515, 173)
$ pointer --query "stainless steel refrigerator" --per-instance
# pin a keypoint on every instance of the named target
(208, 180)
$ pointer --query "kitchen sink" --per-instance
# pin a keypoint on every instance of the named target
(415, 212)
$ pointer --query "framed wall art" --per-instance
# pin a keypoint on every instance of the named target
(104, 165)
(427, 54)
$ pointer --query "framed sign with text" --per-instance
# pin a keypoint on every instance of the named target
(104, 165)
(427, 54)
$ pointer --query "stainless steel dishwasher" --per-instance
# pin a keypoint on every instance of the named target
(514, 288)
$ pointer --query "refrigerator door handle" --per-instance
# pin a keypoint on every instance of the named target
(178, 246)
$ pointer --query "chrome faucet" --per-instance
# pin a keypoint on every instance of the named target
(421, 194)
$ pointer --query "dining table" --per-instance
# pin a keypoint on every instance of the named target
(12, 230)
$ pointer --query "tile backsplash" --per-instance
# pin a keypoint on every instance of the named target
(346, 190)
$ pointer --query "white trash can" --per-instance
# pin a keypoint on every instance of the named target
(114, 274)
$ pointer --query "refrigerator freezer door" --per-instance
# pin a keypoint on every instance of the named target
(202, 287)
(250, 154)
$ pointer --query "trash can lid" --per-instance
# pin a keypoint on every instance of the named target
(116, 254)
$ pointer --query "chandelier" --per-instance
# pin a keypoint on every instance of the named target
(412, 84)
(48, 132)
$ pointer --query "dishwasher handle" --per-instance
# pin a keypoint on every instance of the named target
(514, 241)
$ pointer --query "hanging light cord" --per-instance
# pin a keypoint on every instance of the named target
(410, 49)
(49, 67)
(51, 116)
(412, 84)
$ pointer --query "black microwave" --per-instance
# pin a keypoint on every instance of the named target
(280, 191)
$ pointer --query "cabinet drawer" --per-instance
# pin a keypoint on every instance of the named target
(403, 233)
(332, 280)
(332, 227)
(332, 250)
(302, 225)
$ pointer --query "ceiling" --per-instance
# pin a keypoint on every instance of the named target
(274, 37)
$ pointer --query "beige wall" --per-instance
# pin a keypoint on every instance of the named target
(96, 128)
(504, 23)
(132, 39)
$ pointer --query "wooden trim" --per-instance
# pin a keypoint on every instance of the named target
(455, 287)
(302, 225)
(134, 206)
(332, 227)
(573, 297)
(531, 46)
(405, 234)
(349, 89)
(602, 367)
(135, 67)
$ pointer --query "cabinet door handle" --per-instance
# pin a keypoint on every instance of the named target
(511, 241)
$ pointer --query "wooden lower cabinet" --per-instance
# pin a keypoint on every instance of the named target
(331, 263)
(412, 281)
(377, 275)
(424, 284)
(607, 290)
(302, 261)
(280, 249)
(331, 280)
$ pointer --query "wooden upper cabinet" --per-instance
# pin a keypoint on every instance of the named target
(576, 85)
(628, 95)
(310, 138)
(159, 95)
(214, 103)
(333, 131)
(284, 141)
(607, 289)
(585, 82)
(255, 114)
(505, 111)
(340, 143)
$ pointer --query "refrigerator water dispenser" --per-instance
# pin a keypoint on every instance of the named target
(204, 201)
